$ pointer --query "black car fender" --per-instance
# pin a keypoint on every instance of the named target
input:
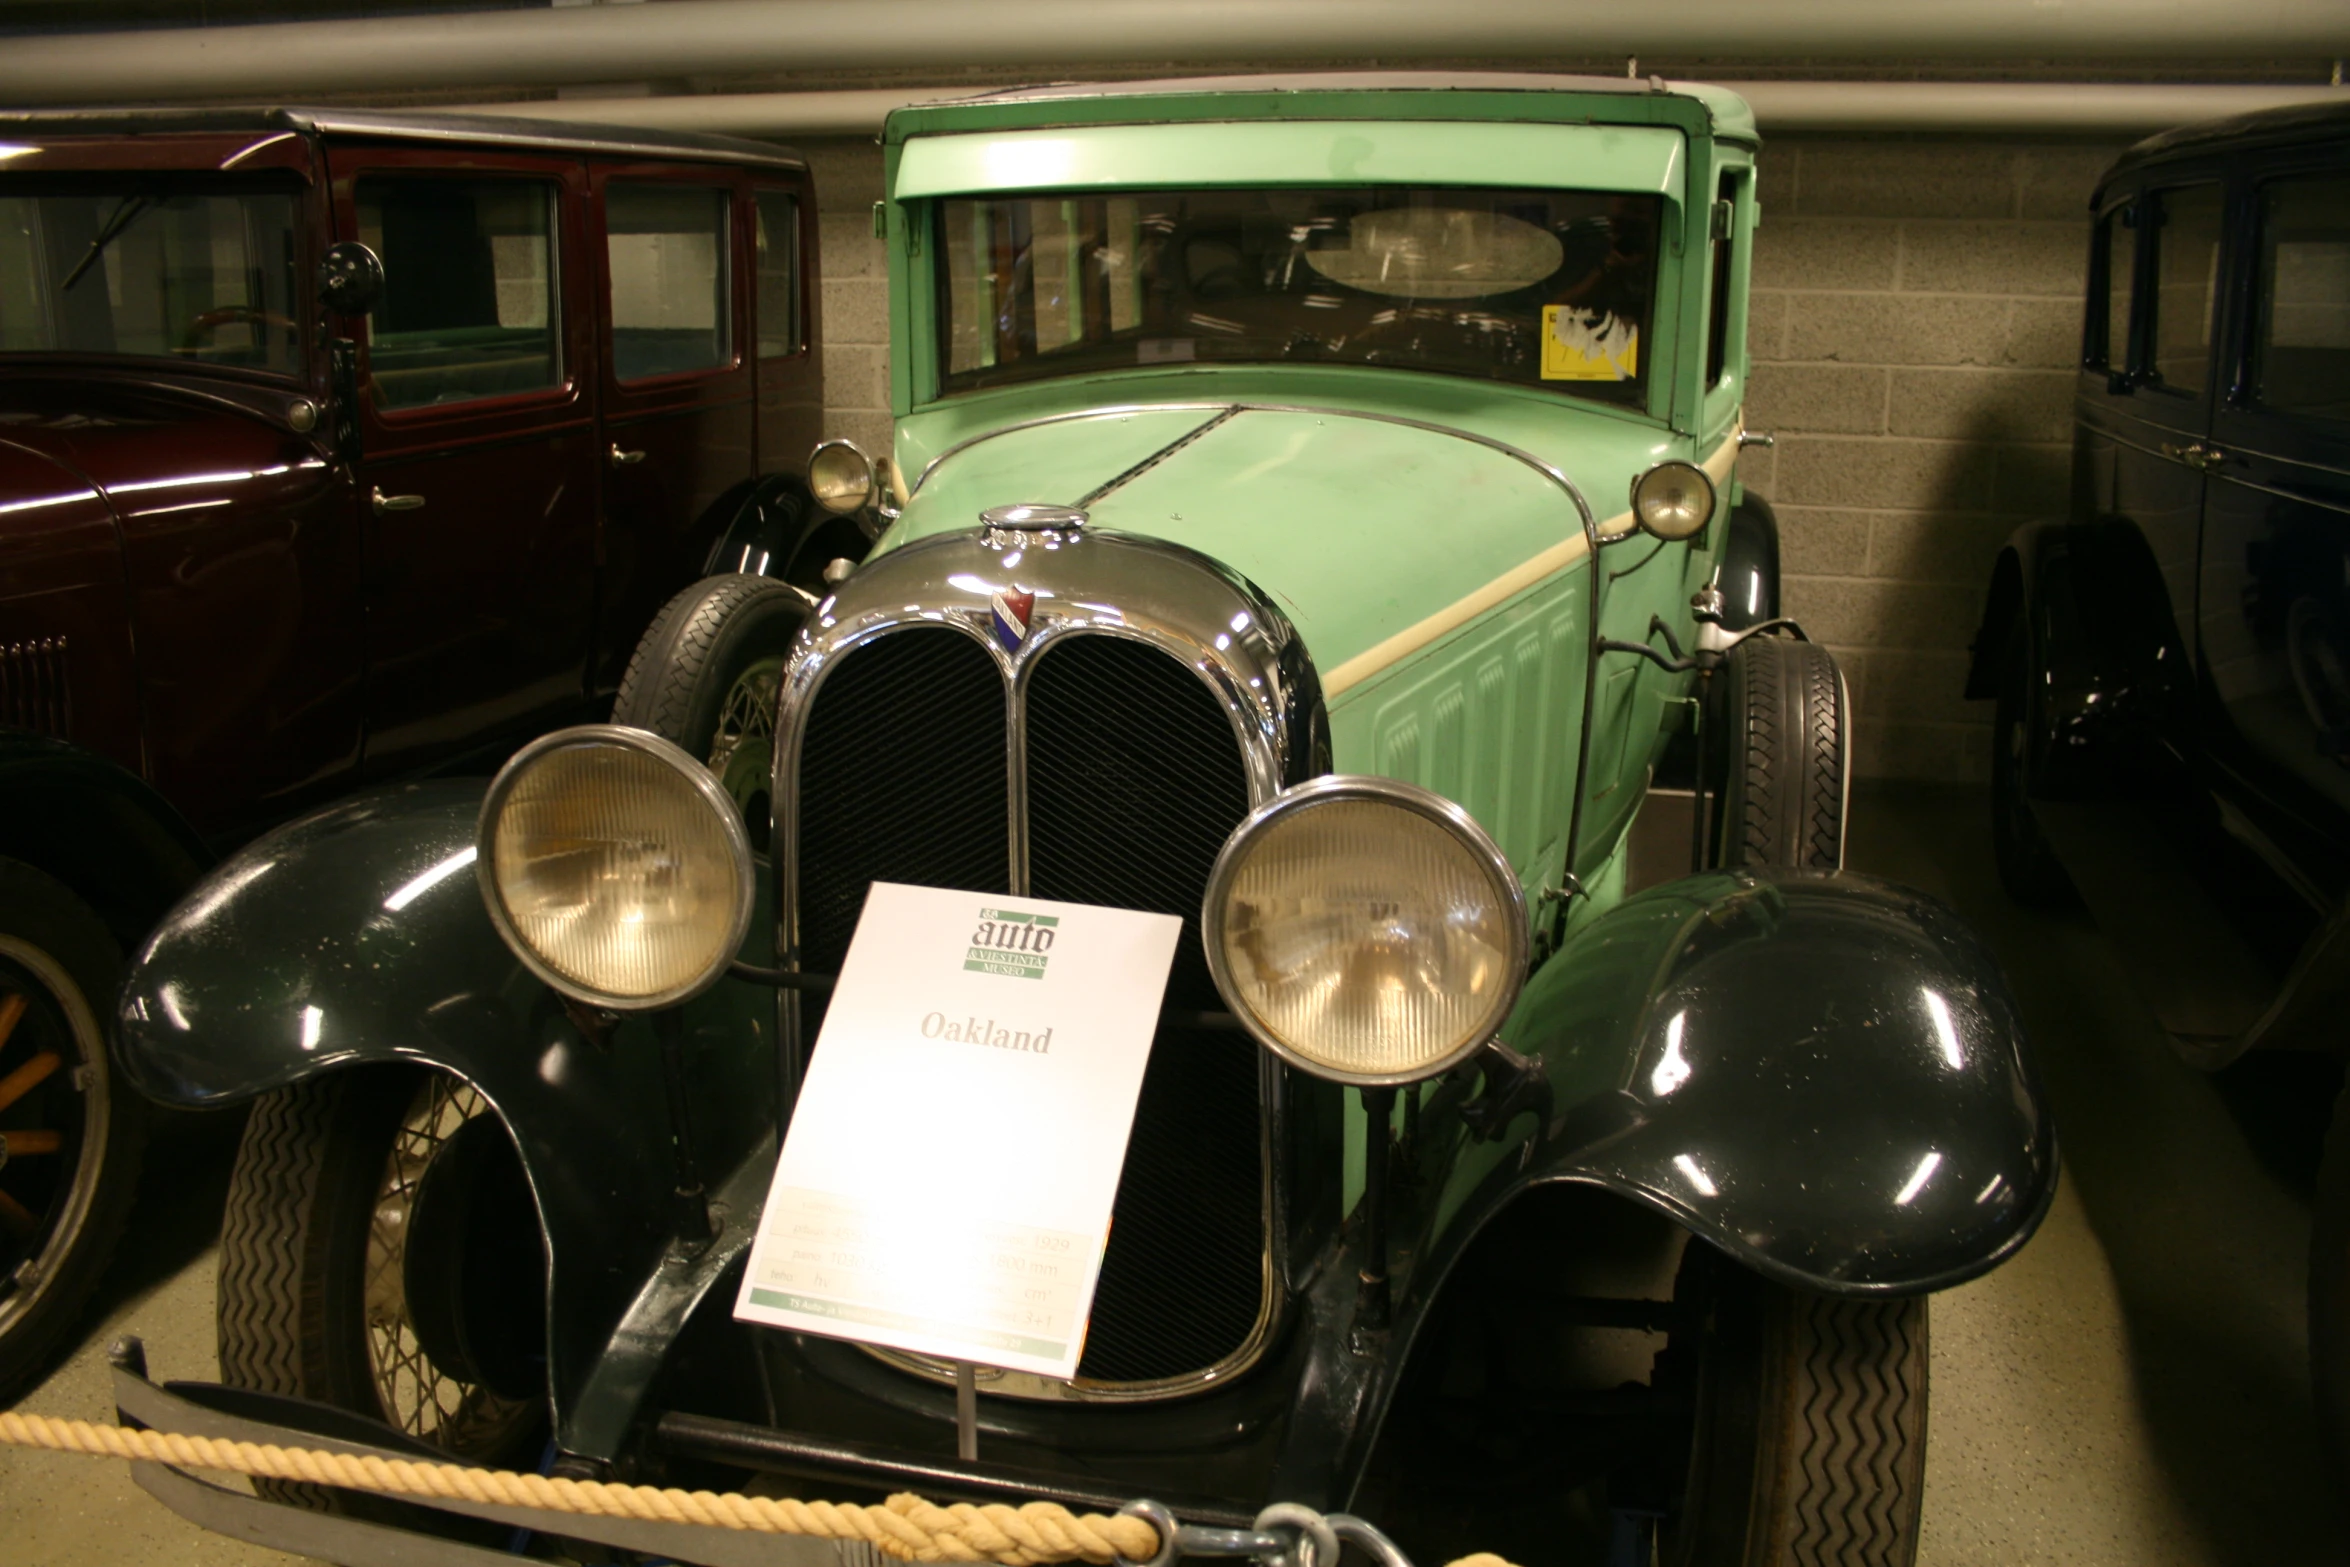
(1749, 575)
(773, 527)
(98, 829)
(2109, 668)
(1821, 1076)
(356, 938)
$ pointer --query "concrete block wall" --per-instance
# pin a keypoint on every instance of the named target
(1916, 312)
(1916, 318)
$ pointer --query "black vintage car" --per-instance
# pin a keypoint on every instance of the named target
(2171, 658)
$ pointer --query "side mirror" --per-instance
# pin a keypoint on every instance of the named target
(350, 278)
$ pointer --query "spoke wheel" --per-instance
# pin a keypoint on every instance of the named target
(706, 676)
(417, 1393)
(742, 750)
(69, 1139)
(339, 1283)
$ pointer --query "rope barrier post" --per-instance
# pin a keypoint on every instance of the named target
(966, 1411)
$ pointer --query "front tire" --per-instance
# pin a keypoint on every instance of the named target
(1787, 757)
(70, 1133)
(330, 1289)
(2028, 867)
(707, 677)
(1811, 1436)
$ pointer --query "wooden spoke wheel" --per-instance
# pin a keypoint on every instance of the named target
(69, 1135)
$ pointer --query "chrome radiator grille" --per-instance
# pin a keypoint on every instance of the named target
(901, 779)
(1133, 778)
(1134, 782)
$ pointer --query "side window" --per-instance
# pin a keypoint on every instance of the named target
(2301, 346)
(2186, 285)
(468, 309)
(670, 279)
(779, 275)
(1717, 318)
(2113, 260)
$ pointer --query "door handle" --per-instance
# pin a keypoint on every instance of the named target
(621, 459)
(387, 503)
(2195, 455)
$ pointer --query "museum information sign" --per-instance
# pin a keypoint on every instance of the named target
(946, 1182)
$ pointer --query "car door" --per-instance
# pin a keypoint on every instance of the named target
(2144, 404)
(678, 415)
(791, 386)
(478, 469)
(2275, 623)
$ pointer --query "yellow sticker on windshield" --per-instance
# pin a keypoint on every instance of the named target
(1588, 345)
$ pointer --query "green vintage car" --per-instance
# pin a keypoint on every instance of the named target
(1313, 515)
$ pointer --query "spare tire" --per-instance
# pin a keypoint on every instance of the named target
(1787, 757)
(707, 676)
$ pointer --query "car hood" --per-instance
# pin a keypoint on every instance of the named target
(146, 442)
(1370, 526)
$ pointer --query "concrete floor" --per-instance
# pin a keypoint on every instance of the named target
(2129, 1391)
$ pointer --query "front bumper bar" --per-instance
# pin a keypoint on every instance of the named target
(196, 1410)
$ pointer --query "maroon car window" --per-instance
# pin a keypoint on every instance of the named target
(2186, 284)
(469, 288)
(670, 274)
(154, 271)
(1548, 288)
(779, 279)
(2301, 356)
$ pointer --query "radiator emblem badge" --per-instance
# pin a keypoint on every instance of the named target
(1012, 613)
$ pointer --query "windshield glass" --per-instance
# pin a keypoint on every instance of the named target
(1547, 288)
(151, 271)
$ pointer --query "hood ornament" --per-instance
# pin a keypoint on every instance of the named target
(1012, 613)
(1033, 517)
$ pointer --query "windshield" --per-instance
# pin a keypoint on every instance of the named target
(1545, 288)
(152, 271)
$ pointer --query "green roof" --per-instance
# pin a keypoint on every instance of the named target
(1402, 95)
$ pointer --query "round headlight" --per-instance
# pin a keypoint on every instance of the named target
(840, 476)
(1366, 930)
(615, 867)
(1673, 500)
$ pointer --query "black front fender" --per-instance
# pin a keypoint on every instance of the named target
(1823, 1076)
(356, 938)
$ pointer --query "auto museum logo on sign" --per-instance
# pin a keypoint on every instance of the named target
(1009, 941)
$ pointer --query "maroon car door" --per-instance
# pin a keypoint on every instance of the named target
(478, 470)
(674, 256)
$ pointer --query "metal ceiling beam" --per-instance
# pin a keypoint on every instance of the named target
(2012, 108)
(573, 45)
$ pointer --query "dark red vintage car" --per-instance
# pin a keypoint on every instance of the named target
(336, 447)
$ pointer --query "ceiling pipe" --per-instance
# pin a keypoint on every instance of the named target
(2004, 108)
(573, 45)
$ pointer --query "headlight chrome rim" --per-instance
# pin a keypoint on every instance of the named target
(1675, 468)
(1425, 803)
(841, 506)
(645, 743)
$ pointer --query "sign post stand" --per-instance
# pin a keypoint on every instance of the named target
(966, 1411)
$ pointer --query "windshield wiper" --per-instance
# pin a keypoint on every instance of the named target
(127, 210)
